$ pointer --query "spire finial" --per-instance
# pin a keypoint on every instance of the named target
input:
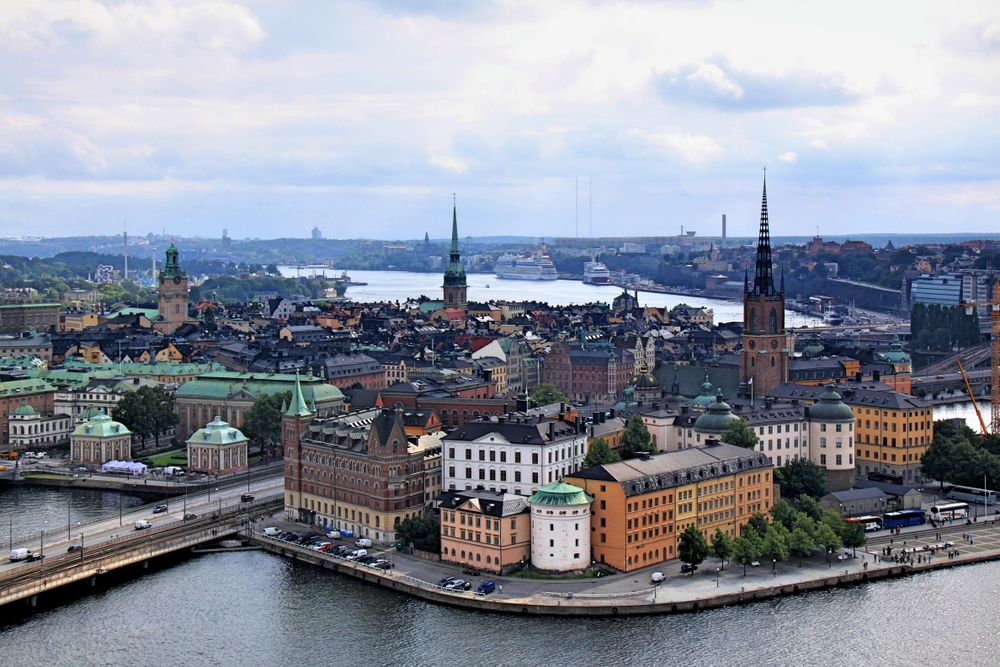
(764, 276)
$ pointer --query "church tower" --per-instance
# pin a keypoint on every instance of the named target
(766, 345)
(455, 288)
(173, 287)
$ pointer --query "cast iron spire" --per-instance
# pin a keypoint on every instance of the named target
(455, 255)
(763, 282)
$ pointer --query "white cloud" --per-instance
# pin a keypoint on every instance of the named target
(788, 157)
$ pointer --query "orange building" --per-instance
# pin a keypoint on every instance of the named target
(487, 530)
(641, 505)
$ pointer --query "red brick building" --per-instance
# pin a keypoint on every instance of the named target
(597, 375)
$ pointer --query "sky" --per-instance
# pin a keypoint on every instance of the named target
(549, 119)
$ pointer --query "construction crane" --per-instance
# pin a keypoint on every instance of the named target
(968, 388)
(994, 305)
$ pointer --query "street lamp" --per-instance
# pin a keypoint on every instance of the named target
(120, 494)
(774, 567)
(69, 517)
(828, 552)
(220, 501)
(717, 570)
(81, 547)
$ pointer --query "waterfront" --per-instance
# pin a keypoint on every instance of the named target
(257, 609)
(402, 285)
(28, 509)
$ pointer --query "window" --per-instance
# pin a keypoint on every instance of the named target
(517, 475)
(482, 454)
(503, 456)
(534, 458)
(822, 459)
(822, 442)
(517, 457)
(534, 478)
(468, 454)
(840, 460)
(822, 428)
(468, 473)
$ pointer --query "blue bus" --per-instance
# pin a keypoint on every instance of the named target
(904, 518)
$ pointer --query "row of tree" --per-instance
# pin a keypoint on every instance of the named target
(962, 457)
(791, 531)
(147, 412)
(943, 328)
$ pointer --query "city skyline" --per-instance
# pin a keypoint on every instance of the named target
(193, 117)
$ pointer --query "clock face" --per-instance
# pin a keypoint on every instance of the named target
(752, 343)
(774, 344)
(177, 280)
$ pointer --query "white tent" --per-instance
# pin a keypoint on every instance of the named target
(126, 467)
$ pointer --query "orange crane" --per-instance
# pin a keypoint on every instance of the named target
(994, 305)
(968, 387)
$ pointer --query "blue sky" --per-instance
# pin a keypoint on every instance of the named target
(362, 118)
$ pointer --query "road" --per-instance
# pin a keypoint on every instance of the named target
(106, 528)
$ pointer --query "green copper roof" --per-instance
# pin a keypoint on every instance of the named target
(224, 384)
(298, 406)
(707, 395)
(454, 274)
(560, 494)
(100, 426)
(715, 420)
(895, 355)
(172, 266)
(829, 408)
(217, 432)
(25, 410)
(15, 387)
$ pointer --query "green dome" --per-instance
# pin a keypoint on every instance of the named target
(895, 355)
(830, 408)
(560, 494)
(707, 395)
(25, 410)
(101, 426)
(715, 420)
(814, 348)
(90, 412)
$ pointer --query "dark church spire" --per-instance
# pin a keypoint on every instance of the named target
(763, 282)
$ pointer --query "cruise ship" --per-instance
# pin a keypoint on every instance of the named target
(536, 267)
(596, 273)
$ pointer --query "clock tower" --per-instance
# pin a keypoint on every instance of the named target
(766, 344)
(173, 286)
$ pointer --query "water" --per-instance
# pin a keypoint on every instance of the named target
(402, 285)
(256, 609)
(964, 411)
(29, 509)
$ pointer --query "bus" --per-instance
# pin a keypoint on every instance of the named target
(946, 511)
(904, 518)
(885, 478)
(871, 523)
(971, 494)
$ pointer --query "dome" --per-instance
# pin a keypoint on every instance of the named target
(814, 348)
(560, 494)
(895, 355)
(644, 380)
(707, 395)
(715, 420)
(830, 408)
(25, 410)
(90, 412)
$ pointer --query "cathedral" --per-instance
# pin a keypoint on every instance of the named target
(767, 347)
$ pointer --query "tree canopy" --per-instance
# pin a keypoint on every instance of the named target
(424, 533)
(801, 477)
(262, 422)
(636, 438)
(546, 393)
(692, 547)
(599, 454)
(962, 457)
(722, 546)
(740, 433)
(147, 412)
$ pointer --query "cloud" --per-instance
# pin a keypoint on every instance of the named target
(717, 83)
(694, 148)
(789, 157)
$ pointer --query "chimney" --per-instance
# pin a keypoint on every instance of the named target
(711, 442)
(723, 230)
(642, 456)
(562, 408)
(875, 376)
(501, 419)
(858, 377)
(552, 430)
(767, 404)
(612, 413)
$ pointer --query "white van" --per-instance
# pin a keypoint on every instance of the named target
(364, 542)
(271, 531)
(334, 534)
(142, 524)
(360, 553)
(18, 554)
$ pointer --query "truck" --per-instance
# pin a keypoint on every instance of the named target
(173, 471)
(142, 524)
(18, 554)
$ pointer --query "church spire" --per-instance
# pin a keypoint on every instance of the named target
(455, 255)
(763, 283)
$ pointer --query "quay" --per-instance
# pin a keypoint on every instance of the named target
(631, 594)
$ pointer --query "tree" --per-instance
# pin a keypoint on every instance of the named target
(148, 411)
(692, 547)
(599, 454)
(160, 404)
(423, 533)
(800, 543)
(809, 506)
(800, 477)
(636, 438)
(747, 548)
(783, 513)
(827, 537)
(546, 393)
(262, 422)
(740, 433)
(775, 545)
(853, 536)
(759, 523)
(209, 317)
(722, 546)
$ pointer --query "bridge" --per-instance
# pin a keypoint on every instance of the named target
(112, 542)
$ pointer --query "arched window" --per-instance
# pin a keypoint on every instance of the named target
(753, 320)
(772, 362)
(773, 321)
(451, 298)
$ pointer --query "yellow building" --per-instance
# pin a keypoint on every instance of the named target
(641, 505)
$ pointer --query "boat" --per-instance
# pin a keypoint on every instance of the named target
(832, 317)
(536, 267)
(596, 273)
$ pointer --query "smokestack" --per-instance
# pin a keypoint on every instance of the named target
(723, 230)
(125, 240)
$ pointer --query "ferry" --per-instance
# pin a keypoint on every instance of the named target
(596, 273)
(536, 267)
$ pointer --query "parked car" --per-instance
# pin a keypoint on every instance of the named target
(459, 585)
(18, 554)
(657, 577)
(190, 515)
(486, 587)
(74, 547)
(447, 580)
(33, 556)
(334, 534)
(142, 524)
(364, 542)
(271, 531)
(246, 498)
(688, 567)
(354, 555)
(475, 572)
(159, 509)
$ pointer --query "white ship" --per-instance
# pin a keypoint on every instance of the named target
(596, 273)
(536, 267)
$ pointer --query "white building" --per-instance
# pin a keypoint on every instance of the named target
(831, 433)
(27, 429)
(512, 455)
(560, 528)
